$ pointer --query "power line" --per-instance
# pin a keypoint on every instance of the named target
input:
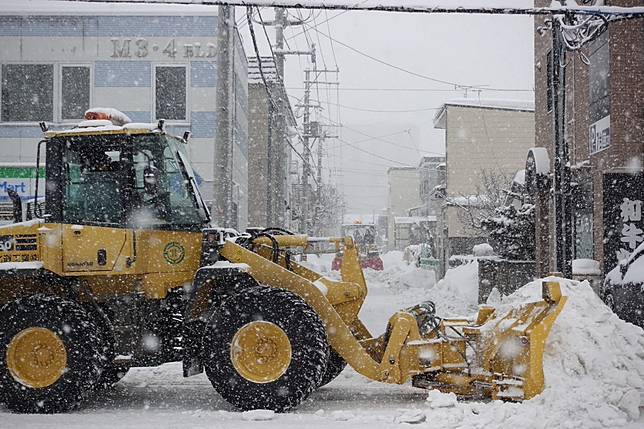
(382, 138)
(372, 154)
(328, 27)
(402, 69)
(261, 72)
(410, 89)
(362, 109)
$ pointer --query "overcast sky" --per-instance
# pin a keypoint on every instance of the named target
(492, 51)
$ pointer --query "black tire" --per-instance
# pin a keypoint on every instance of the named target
(334, 366)
(111, 375)
(77, 331)
(305, 333)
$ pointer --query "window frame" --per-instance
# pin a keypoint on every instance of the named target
(59, 92)
(57, 96)
(153, 93)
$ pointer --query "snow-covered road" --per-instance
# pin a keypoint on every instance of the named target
(161, 398)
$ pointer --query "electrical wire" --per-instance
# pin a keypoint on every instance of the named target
(404, 70)
(261, 72)
(375, 155)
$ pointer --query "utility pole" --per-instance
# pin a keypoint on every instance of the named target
(222, 207)
(277, 208)
(280, 23)
(561, 183)
(306, 152)
(278, 145)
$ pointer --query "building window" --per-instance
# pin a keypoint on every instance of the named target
(599, 94)
(27, 92)
(549, 71)
(599, 78)
(170, 92)
(75, 88)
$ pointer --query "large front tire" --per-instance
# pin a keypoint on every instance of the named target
(265, 348)
(335, 365)
(50, 358)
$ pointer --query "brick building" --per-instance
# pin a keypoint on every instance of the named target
(604, 120)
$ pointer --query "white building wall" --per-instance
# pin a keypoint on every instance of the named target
(482, 140)
(403, 194)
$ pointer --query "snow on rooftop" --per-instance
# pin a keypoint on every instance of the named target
(52, 7)
(489, 103)
(413, 219)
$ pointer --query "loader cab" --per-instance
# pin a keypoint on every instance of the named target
(139, 180)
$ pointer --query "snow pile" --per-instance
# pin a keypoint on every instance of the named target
(398, 274)
(584, 267)
(483, 249)
(457, 293)
(593, 366)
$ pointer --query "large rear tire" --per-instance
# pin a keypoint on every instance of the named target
(50, 357)
(265, 348)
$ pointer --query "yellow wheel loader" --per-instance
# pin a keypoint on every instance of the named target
(122, 269)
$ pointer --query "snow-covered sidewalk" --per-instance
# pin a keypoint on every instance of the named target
(594, 365)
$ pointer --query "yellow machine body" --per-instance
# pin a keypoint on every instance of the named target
(493, 355)
(148, 261)
(133, 279)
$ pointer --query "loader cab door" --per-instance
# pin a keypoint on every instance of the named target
(94, 201)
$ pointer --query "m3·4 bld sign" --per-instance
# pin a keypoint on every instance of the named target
(623, 216)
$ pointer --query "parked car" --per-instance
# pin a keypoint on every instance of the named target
(623, 288)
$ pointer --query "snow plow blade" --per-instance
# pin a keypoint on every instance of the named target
(496, 355)
(499, 356)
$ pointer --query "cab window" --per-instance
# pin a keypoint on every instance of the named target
(94, 184)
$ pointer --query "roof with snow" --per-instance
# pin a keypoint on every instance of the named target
(413, 219)
(102, 127)
(492, 104)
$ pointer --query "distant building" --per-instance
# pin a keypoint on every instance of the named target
(402, 195)
(269, 158)
(151, 61)
(486, 141)
(431, 175)
(604, 96)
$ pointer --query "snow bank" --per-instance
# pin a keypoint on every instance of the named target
(457, 293)
(398, 274)
(593, 365)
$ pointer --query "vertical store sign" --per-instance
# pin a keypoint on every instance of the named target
(623, 216)
(599, 135)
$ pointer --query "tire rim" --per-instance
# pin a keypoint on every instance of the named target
(260, 352)
(36, 357)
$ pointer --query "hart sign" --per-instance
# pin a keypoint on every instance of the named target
(20, 179)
